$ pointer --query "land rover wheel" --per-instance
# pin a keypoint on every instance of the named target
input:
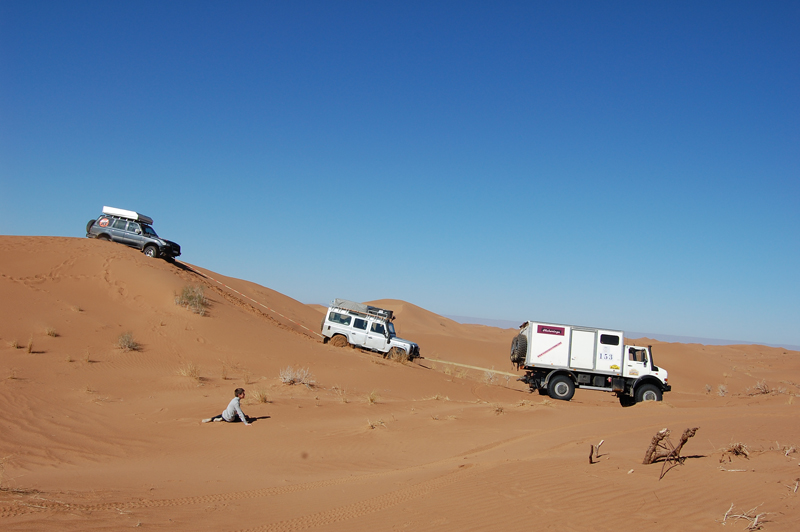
(339, 341)
(561, 388)
(519, 349)
(151, 251)
(104, 236)
(648, 392)
(89, 225)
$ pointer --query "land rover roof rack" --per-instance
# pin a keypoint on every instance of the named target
(360, 308)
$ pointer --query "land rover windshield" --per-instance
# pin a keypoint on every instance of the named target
(146, 229)
(390, 327)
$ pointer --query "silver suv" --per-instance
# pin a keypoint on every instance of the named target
(132, 229)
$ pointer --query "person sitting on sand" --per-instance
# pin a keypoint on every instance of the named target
(233, 413)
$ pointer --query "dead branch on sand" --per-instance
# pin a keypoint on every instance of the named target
(756, 521)
(662, 447)
(735, 449)
(594, 451)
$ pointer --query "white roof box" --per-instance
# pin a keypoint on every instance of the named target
(130, 215)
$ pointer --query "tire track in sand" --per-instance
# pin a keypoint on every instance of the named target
(42, 504)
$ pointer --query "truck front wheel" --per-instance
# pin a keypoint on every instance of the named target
(561, 388)
(648, 392)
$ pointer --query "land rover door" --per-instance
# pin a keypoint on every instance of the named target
(358, 334)
(376, 336)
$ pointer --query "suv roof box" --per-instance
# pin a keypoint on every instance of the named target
(130, 215)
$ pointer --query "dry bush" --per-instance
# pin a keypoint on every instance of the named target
(224, 373)
(69, 358)
(462, 374)
(126, 342)
(29, 349)
(488, 377)
(708, 388)
(546, 402)
(736, 449)
(13, 344)
(193, 298)
(189, 369)
(291, 376)
(498, 409)
(438, 397)
(508, 380)
(761, 388)
(12, 374)
(374, 424)
(51, 332)
(722, 390)
(448, 370)
(86, 357)
(341, 392)
(261, 396)
(372, 397)
(248, 377)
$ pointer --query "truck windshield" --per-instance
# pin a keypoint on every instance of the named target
(390, 326)
(148, 230)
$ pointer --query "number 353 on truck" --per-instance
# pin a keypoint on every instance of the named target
(557, 359)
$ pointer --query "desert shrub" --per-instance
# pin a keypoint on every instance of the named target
(498, 409)
(189, 369)
(372, 397)
(762, 388)
(193, 298)
(126, 342)
(488, 377)
(51, 332)
(722, 390)
(341, 392)
(291, 376)
(14, 344)
(261, 396)
(708, 388)
(29, 349)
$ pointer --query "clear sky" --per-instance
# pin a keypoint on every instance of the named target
(633, 165)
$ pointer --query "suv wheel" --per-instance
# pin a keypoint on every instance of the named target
(151, 251)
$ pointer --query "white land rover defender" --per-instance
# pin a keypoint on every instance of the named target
(350, 323)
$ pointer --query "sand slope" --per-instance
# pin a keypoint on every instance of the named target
(96, 438)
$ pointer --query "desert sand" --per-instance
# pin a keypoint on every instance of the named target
(94, 437)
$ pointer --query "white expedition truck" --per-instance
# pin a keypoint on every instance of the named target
(559, 358)
(350, 323)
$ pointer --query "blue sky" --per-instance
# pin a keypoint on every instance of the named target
(633, 165)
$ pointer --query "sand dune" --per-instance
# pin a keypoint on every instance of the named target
(96, 438)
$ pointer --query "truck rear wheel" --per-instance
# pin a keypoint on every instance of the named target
(339, 341)
(648, 392)
(561, 388)
(519, 349)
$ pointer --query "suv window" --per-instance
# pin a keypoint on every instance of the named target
(360, 324)
(377, 328)
(120, 224)
(133, 227)
(335, 317)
